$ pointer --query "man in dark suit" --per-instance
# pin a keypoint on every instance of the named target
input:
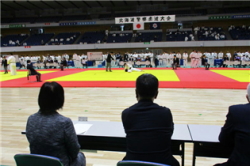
(125, 57)
(148, 126)
(236, 133)
(5, 65)
(108, 61)
(32, 71)
(175, 62)
(63, 64)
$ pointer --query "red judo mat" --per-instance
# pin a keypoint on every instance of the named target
(216, 78)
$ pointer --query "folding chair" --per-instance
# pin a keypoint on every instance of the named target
(138, 163)
(36, 160)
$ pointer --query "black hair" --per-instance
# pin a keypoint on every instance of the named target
(51, 97)
(28, 61)
(147, 86)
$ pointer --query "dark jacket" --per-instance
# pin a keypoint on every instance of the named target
(32, 70)
(109, 58)
(148, 129)
(236, 132)
(52, 135)
(4, 62)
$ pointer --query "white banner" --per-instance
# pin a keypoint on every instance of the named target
(94, 55)
(144, 19)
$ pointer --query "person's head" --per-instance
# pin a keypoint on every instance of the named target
(28, 61)
(248, 93)
(51, 97)
(146, 87)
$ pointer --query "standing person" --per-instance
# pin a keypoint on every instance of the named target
(228, 55)
(63, 64)
(148, 126)
(204, 62)
(178, 55)
(156, 60)
(75, 60)
(12, 62)
(108, 61)
(236, 133)
(126, 57)
(50, 133)
(33, 71)
(198, 59)
(213, 56)
(5, 65)
(193, 58)
(164, 58)
(175, 63)
(185, 58)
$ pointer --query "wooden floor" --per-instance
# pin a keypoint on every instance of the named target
(188, 106)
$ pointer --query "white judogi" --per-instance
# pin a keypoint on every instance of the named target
(113, 61)
(104, 57)
(247, 54)
(178, 55)
(159, 57)
(44, 58)
(25, 59)
(164, 59)
(198, 59)
(52, 57)
(220, 55)
(171, 57)
(214, 56)
(59, 59)
(130, 68)
(33, 59)
(74, 59)
(210, 58)
(12, 63)
(185, 57)
(78, 61)
(66, 57)
(228, 55)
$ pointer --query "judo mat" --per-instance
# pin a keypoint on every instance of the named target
(216, 78)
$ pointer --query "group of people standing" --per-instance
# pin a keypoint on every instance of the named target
(172, 59)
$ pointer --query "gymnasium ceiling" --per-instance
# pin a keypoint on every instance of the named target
(19, 5)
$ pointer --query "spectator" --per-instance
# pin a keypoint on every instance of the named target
(236, 133)
(50, 133)
(148, 126)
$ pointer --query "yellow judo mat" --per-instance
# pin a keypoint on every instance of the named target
(117, 75)
(238, 75)
(20, 74)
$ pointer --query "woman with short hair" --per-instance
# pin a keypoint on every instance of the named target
(50, 133)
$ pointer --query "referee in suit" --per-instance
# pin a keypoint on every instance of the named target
(33, 71)
(108, 61)
(236, 133)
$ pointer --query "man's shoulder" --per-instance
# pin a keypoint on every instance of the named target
(237, 107)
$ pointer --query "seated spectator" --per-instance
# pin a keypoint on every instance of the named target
(50, 133)
(148, 126)
(32, 71)
(236, 133)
